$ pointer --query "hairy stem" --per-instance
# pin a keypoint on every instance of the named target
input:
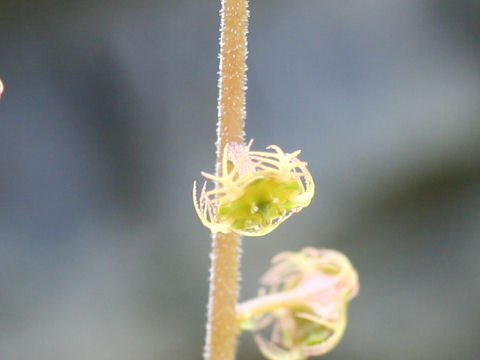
(222, 329)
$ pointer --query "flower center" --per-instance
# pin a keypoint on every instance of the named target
(263, 202)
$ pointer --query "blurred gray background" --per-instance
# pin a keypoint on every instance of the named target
(109, 114)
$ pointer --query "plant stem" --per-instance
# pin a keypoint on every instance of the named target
(222, 329)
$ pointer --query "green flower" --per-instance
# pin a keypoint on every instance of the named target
(256, 191)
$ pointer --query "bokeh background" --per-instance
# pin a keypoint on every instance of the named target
(109, 114)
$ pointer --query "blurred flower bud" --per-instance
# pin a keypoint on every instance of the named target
(303, 303)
